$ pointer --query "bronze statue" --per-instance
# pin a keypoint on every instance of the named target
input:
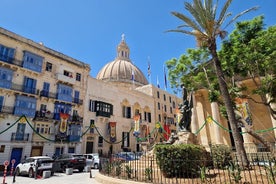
(186, 111)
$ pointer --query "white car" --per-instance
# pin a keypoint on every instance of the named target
(28, 166)
(92, 159)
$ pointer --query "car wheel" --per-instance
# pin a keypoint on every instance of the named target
(31, 173)
(17, 172)
(81, 169)
(96, 166)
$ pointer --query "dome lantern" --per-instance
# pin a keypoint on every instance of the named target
(122, 70)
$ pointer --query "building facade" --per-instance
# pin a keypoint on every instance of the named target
(49, 105)
(41, 99)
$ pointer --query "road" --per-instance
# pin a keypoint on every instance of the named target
(58, 178)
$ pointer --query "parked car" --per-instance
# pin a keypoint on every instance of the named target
(71, 160)
(28, 166)
(124, 156)
(92, 159)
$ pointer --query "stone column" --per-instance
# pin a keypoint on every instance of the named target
(216, 117)
(194, 123)
(249, 145)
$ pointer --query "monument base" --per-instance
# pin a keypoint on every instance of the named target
(185, 137)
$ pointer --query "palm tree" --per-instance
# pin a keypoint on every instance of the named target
(206, 26)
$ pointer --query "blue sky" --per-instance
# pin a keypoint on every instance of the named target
(90, 30)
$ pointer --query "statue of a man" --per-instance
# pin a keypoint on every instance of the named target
(186, 111)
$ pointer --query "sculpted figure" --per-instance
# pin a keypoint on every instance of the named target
(186, 111)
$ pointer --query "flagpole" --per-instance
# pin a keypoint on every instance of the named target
(165, 78)
(149, 72)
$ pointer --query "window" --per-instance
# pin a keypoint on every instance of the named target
(147, 116)
(158, 106)
(78, 77)
(25, 105)
(32, 61)
(103, 109)
(173, 104)
(92, 106)
(126, 112)
(165, 108)
(1, 102)
(92, 124)
(159, 117)
(164, 97)
(6, 78)
(49, 67)
(158, 95)
(46, 89)
(29, 85)
(77, 97)
(171, 110)
(6, 53)
(67, 73)
(125, 138)
(170, 99)
(65, 93)
(100, 141)
(71, 150)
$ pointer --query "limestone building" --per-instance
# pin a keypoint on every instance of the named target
(118, 94)
(41, 99)
(49, 104)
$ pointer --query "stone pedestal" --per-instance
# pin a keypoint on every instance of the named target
(185, 137)
(69, 171)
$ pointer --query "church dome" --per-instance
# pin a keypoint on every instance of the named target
(122, 69)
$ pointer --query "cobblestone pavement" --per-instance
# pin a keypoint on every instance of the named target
(58, 178)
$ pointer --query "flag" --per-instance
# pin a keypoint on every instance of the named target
(158, 85)
(112, 131)
(136, 130)
(165, 78)
(148, 69)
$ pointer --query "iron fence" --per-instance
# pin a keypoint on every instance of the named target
(147, 168)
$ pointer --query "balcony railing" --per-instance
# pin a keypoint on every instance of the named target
(66, 79)
(48, 94)
(22, 88)
(13, 61)
(20, 137)
(77, 101)
(76, 119)
(43, 116)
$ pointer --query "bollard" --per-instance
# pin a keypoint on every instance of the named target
(6, 163)
(14, 175)
(91, 173)
(12, 166)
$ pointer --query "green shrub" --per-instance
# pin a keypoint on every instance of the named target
(221, 155)
(148, 173)
(129, 170)
(183, 160)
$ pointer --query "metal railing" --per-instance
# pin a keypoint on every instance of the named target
(20, 137)
(148, 169)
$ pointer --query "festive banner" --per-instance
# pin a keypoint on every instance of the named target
(63, 122)
(112, 131)
(243, 107)
(167, 131)
(136, 130)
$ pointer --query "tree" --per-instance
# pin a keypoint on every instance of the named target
(206, 26)
(255, 50)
